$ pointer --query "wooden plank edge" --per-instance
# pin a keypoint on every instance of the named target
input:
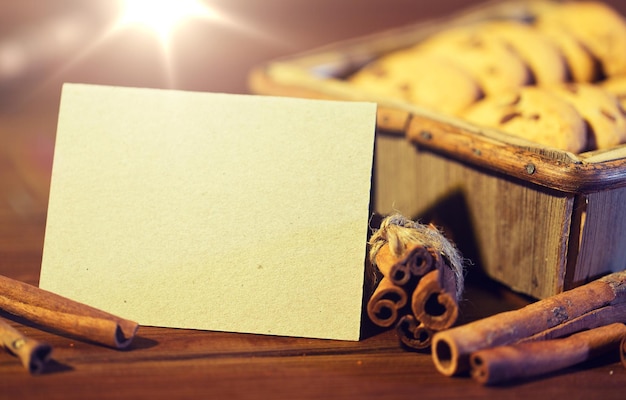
(573, 176)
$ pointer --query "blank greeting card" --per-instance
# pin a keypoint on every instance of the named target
(211, 211)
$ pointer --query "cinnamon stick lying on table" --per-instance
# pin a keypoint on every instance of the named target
(53, 311)
(33, 354)
(525, 360)
(593, 319)
(452, 347)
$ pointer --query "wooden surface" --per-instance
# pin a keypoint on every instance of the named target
(169, 363)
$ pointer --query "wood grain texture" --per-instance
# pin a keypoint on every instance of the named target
(602, 219)
(516, 232)
(171, 363)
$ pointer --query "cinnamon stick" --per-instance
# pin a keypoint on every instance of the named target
(33, 354)
(505, 363)
(433, 302)
(593, 319)
(391, 294)
(400, 275)
(452, 347)
(416, 261)
(56, 312)
(385, 262)
(420, 259)
(386, 302)
(412, 333)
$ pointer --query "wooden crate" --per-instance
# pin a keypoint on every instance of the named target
(537, 219)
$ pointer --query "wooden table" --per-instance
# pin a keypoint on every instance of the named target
(170, 363)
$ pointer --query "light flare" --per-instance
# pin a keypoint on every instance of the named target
(83, 31)
(162, 16)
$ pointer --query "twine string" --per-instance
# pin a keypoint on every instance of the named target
(398, 231)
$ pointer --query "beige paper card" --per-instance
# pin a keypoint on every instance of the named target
(211, 211)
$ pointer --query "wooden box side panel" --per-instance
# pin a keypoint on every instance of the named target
(602, 241)
(516, 233)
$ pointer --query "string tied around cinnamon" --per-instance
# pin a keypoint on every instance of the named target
(421, 284)
(399, 232)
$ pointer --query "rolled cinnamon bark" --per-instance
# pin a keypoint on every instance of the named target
(413, 333)
(384, 260)
(386, 302)
(433, 302)
(593, 319)
(53, 311)
(452, 347)
(33, 354)
(416, 261)
(420, 259)
(505, 363)
(392, 267)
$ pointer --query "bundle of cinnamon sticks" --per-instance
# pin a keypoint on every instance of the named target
(545, 336)
(419, 289)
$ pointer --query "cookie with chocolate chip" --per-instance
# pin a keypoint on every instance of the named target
(535, 114)
(544, 59)
(600, 110)
(420, 79)
(597, 26)
(617, 87)
(581, 64)
(488, 59)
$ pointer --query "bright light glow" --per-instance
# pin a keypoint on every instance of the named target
(162, 16)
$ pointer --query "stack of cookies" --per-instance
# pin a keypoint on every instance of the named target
(558, 80)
